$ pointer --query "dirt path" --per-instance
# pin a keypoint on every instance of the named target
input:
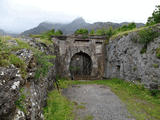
(96, 102)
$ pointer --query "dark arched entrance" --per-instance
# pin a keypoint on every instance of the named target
(80, 65)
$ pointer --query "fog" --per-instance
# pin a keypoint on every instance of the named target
(19, 15)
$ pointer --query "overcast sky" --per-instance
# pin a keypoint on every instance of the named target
(20, 15)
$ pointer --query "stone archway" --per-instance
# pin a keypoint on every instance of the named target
(80, 65)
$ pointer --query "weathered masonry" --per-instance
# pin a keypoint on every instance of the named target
(79, 57)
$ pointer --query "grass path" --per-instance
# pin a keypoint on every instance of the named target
(138, 100)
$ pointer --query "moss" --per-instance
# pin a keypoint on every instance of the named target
(158, 53)
(134, 69)
(107, 42)
(44, 41)
(19, 63)
(155, 65)
(143, 50)
(20, 103)
(89, 117)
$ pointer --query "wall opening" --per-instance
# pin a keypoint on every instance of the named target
(80, 65)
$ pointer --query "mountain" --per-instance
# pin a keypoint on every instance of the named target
(74, 25)
(42, 27)
(2, 32)
(70, 28)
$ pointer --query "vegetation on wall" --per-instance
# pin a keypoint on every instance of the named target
(81, 32)
(158, 52)
(8, 57)
(147, 35)
(43, 64)
(20, 103)
(46, 36)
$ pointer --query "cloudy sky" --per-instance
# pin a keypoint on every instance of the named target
(19, 15)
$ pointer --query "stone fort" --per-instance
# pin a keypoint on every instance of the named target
(79, 57)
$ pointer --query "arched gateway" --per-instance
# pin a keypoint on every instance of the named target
(80, 65)
(78, 57)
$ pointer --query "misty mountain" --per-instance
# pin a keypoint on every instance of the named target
(2, 32)
(70, 28)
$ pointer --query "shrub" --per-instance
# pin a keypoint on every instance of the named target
(154, 92)
(100, 32)
(58, 33)
(81, 32)
(130, 26)
(147, 35)
(92, 32)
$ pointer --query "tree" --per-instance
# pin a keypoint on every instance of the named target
(109, 33)
(155, 18)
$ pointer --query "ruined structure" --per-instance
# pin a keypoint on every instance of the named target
(88, 57)
(80, 57)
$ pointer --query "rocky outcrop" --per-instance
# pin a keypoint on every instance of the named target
(23, 97)
(124, 60)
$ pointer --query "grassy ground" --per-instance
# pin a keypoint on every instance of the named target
(138, 100)
(58, 107)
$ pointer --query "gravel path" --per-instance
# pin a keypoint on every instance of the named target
(96, 102)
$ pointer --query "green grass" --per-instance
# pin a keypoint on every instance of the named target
(139, 101)
(58, 107)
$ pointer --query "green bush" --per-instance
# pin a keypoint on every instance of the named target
(58, 33)
(81, 31)
(92, 32)
(155, 92)
(147, 35)
(101, 32)
(130, 26)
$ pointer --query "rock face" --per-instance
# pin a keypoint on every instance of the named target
(124, 60)
(24, 98)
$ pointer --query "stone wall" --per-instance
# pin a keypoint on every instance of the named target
(124, 60)
(24, 98)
